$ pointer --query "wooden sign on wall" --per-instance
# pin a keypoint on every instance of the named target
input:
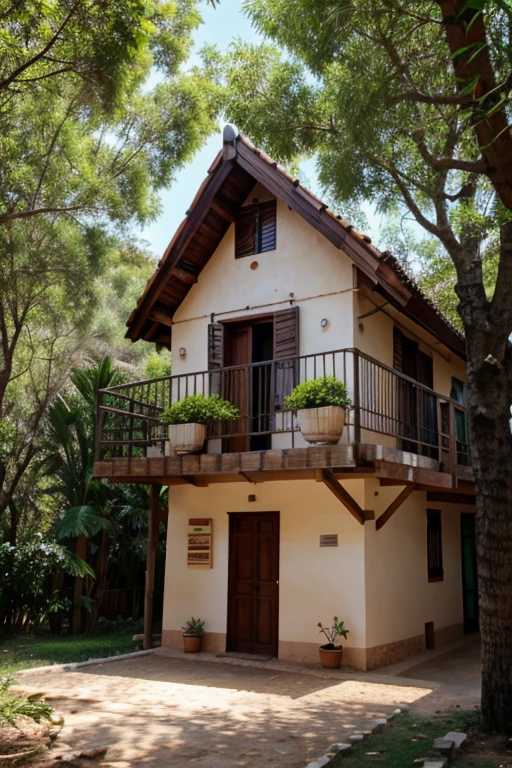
(200, 541)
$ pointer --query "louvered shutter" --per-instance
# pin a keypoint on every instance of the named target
(286, 346)
(267, 226)
(215, 356)
(397, 350)
(245, 232)
(215, 346)
(286, 333)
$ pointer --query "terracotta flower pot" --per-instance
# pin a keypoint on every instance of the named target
(322, 425)
(330, 658)
(191, 643)
(186, 438)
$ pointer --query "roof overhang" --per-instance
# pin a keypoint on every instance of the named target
(231, 177)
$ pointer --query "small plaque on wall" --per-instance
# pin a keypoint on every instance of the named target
(329, 540)
(199, 542)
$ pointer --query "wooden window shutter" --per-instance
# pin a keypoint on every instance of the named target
(215, 346)
(267, 226)
(286, 333)
(397, 350)
(255, 229)
(245, 232)
(286, 346)
(425, 369)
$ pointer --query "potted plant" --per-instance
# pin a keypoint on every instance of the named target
(192, 634)
(330, 653)
(187, 420)
(320, 406)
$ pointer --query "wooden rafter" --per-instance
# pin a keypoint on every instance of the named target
(329, 479)
(390, 511)
(157, 316)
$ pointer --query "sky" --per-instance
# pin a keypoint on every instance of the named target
(221, 25)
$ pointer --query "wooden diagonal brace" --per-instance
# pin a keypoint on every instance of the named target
(390, 511)
(329, 479)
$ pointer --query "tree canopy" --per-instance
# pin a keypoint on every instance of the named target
(408, 106)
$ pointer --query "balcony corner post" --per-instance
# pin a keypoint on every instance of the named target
(356, 403)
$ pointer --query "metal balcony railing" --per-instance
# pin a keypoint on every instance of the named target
(384, 401)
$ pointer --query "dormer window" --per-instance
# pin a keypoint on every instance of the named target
(255, 229)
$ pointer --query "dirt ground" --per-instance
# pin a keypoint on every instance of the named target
(160, 710)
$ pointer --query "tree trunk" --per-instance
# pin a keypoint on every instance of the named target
(76, 623)
(491, 458)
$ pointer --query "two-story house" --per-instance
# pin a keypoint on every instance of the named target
(262, 287)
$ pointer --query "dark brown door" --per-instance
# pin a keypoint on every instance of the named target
(253, 587)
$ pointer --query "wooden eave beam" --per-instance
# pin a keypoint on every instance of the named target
(176, 248)
(326, 476)
(223, 211)
(185, 277)
(441, 497)
(396, 504)
(160, 317)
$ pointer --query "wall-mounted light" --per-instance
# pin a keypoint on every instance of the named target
(324, 322)
(183, 353)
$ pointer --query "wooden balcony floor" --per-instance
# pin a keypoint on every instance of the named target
(346, 461)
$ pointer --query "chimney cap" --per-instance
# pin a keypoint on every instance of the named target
(229, 133)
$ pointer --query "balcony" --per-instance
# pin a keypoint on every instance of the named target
(397, 429)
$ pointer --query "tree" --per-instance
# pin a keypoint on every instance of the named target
(408, 105)
(86, 146)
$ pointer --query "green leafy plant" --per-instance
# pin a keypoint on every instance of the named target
(194, 627)
(200, 409)
(332, 634)
(13, 707)
(317, 393)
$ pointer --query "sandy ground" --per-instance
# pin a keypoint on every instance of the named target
(173, 711)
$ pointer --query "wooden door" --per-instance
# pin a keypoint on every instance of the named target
(236, 383)
(253, 586)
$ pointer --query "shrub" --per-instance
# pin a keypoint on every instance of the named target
(200, 409)
(318, 392)
(194, 627)
(13, 707)
(332, 633)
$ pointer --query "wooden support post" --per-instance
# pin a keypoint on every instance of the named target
(154, 514)
(390, 511)
(329, 479)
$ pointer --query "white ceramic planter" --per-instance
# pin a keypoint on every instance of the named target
(186, 438)
(322, 425)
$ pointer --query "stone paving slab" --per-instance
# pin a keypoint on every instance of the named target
(156, 711)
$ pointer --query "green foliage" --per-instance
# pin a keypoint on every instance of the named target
(316, 393)
(194, 627)
(200, 409)
(332, 633)
(30, 568)
(13, 707)
(158, 364)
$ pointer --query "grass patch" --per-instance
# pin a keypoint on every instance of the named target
(18, 653)
(403, 740)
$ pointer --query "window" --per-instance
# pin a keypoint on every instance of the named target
(434, 545)
(255, 229)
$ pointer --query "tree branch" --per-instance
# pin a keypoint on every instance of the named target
(17, 72)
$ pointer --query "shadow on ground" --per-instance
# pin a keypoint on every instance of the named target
(155, 711)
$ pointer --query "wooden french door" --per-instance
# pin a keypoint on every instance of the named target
(253, 582)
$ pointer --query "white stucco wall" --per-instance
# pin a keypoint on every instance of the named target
(304, 264)
(314, 583)
(400, 600)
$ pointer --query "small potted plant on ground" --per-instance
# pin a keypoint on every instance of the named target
(330, 653)
(192, 634)
(320, 406)
(187, 420)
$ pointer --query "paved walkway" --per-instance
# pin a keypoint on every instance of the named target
(171, 710)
